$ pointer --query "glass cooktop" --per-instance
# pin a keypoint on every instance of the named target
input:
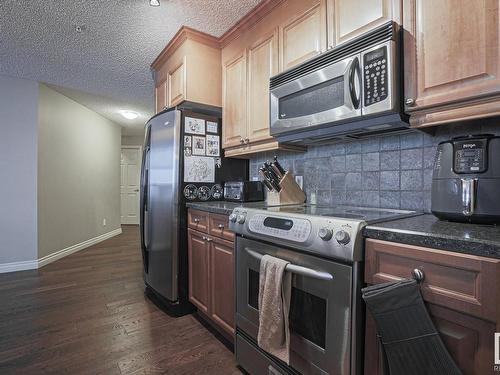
(370, 215)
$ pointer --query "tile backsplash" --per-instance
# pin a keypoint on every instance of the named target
(390, 171)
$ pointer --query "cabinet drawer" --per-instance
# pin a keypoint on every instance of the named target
(198, 220)
(218, 227)
(462, 282)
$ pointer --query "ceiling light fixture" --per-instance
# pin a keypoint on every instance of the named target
(129, 115)
(154, 3)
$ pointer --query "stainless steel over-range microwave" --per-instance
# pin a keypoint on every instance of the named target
(348, 91)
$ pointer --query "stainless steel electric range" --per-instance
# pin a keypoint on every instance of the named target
(324, 246)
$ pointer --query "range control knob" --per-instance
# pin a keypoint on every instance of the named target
(325, 234)
(342, 237)
(240, 219)
(232, 218)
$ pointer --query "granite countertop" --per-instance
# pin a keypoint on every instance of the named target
(428, 231)
(222, 207)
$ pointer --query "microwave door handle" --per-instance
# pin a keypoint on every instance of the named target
(299, 270)
(355, 82)
(469, 187)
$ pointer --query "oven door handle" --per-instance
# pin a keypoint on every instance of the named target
(299, 270)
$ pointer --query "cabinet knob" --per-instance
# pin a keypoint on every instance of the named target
(209, 239)
(196, 220)
(204, 238)
(418, 275)
(247, 141)
(242, 140)
(221, 226)
(410, 102)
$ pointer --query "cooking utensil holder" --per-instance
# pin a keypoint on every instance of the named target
(290, 193)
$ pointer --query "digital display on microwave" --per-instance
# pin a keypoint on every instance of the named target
(277, 223)
(370, 56)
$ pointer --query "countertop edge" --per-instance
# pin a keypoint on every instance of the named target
(433, 240)
(208, 208)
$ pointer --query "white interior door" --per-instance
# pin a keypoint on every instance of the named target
(129, 186)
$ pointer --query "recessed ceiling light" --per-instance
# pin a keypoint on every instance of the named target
(80, 28)
(129, 115)
(154, 3)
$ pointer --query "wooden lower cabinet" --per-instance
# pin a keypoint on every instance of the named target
(198, 253)
(222, 284)
(211, 271)
(461, 296)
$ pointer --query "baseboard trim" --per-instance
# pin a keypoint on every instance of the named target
(74, 248)
(18, 266)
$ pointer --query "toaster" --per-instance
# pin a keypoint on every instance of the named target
(243, 191)
(466, 179)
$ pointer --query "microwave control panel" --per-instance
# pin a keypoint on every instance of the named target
(376, 78)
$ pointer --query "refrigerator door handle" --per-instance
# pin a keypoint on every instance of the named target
(144, 197)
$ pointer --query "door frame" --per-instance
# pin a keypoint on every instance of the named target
(138, 147)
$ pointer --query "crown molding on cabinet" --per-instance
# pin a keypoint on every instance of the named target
(180, 37)
(185, 32)
(250, 19)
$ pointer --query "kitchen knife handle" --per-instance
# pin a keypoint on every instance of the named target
(265, 181)
(278, 165)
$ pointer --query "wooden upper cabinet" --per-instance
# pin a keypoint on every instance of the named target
(262, 64)
(177, 83)
(348, 19)
(189, 68)
(452, 69)
(234, 101)
(303, 37)
(161, 96)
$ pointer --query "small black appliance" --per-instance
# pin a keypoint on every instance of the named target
(243, 191)
(466, 179)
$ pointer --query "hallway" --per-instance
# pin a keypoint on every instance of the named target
(87, 314)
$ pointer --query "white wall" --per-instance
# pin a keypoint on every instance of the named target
(18, 164)
(78, 173)
(132, 140)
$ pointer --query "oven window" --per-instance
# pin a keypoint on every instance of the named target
(323, 97)
(307, 311)
(308, 316)
(253, 289)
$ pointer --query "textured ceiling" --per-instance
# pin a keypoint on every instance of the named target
(105, 67)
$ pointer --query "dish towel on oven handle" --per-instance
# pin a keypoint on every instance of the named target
(409, 339)
(275, 288)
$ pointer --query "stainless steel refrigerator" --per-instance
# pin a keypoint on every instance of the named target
(182, 162)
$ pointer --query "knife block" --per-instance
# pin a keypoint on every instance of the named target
(290, 193)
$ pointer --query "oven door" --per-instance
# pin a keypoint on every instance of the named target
(320, 308)
(323, 96)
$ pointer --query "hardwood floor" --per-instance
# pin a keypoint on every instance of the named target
(87, 314)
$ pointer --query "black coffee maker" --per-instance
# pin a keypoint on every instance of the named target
(466, 179)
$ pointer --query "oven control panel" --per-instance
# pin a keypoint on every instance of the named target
(292, 229)
(375, 70)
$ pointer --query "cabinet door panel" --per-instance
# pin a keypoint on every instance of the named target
(222, 284)
(451, 51)
(262, 64)
(352, 18)
(198, 253)
(177, 84)
(234, 101)
(303, 37)
(161, 96)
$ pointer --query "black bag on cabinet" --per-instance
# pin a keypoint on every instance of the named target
(410, 341)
